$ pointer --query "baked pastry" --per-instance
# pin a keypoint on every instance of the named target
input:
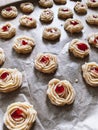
(79, 48)
(60, 92)
(60, 1)
(46, 63)
(92, 3)
(46, 3)
(51, 33)
(80, 8)
(92, 19)
(64, 13)
(9, 12)
(2, 56)
(26, 7)
(27, 21)
(23, 44)
(20, 116)
(90, 73)
(7, 31)
(73, 25)
(10, 80)
(47, 16)
(93, 39)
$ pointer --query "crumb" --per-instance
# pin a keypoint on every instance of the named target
(76, 80)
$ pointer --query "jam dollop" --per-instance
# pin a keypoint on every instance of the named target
(4, 75)
(95, 69)
(24, 42)
(82, 46)
(17, 114)
(8, 9)
(65, 10)
(44, 59)
(93, 0)
(96, 40)
(74, 23)
(59, 89)
(5, 28)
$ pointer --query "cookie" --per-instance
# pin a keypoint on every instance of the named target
(27, 7)
(7, 31)
(47, 16)
(93, 39)
(46, 3)
(92, 19)
(23, 44)
(73, 25)
(20, 116)
(10, 80)
(80, 8)
(2, 56)
(90, 73)
(79, 48)
(60, 92)
(27, 21)
(9, 12)
(92, 3)
(46, 63)
(64, 13)
(51, 33)
(60, 1)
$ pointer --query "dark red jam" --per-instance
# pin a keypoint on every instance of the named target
(4, 75)
(93, 0)
(65, 10)
(8, 9)
(17, 114)
(96, 40)
(59, 89)
(24, 42)
(95, 69)
(44, 59)
(5, 28)
(74, 23)
(82, 46)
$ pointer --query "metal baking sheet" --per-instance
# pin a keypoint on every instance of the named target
(83, 113)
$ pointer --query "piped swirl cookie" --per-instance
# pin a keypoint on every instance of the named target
(7, 31)
(93, 39)
(47, 16)
(46, 3)
(10, 80)
(79, 48)
(60, 1)
(27, 7)
(92, 19)
(73, 25)
(23, 44)
(20, 116)
(2, 56)
(92, 3)
(51, 33)
(64, 13)
(60, 92)
(9, 12)
(27, 21)
(90, 73)
(80, 8)
(46, 63)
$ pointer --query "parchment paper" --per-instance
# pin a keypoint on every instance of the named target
(83, 113)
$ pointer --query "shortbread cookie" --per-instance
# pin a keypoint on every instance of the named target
(27, 21)
(92, 3)
(23, 44)
(65, 13)
(46, 63)
(60, 92)
(46, 3)
(92, 19)
(20, 116)
(10, 80)
(2, 56)
(79, 48)
(27, 7)
(60, 1)
(73, 25)
(90, 73)
(47, 16)
(9, 12)
(80, 8)
(93, 39)
(7, 31)
(51, 33)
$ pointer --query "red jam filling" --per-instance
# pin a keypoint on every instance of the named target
(82, 46)
(44, 59)
(96, 40)
(8, 9)
(17, 114)
(95, 69)
(82, 5)
(65, 10)
(94, 16)
(5, 28)
(59, 89)
(4, 75)
(52, 30)
(24, 42)
(93, 0)
(74, 23)
(30, 19)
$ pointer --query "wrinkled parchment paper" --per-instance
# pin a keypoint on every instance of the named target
(83, 114)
